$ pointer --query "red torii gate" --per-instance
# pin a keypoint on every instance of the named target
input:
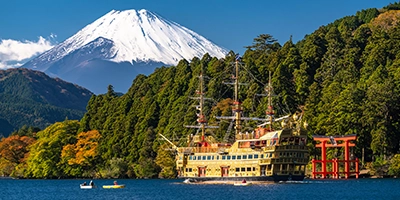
(335, 141)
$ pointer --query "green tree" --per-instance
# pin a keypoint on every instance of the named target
(45, 154)
(166, 161)
(377, 113)
(263, 43)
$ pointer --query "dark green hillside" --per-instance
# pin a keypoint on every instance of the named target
(32, 98)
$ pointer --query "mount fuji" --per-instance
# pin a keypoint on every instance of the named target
(118, 46)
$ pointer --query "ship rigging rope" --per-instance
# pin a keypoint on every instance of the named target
(252, 76)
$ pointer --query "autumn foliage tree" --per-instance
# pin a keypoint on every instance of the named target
(83, 154)
(13, 154)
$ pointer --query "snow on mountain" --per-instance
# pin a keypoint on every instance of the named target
(136, 36)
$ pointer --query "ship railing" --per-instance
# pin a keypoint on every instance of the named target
(293, 147)
(190, 150)
(285, 172)
(265, 161)
(269, 148)
(290, 160)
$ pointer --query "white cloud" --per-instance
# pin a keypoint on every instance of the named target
(14, 53)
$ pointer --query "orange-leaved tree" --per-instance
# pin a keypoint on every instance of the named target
(84, 154)
(13, 153)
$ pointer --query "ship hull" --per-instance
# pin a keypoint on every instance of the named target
(276, 178)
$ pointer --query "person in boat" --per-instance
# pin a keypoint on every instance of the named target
(115, 183)
(91, 183)
(84, 183)
(244, 181)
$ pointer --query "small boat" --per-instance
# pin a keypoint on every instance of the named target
(188, 181)
(113, 186)
(242, 184)
(292, 182)
(87, 186)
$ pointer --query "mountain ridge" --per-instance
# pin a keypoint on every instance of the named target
(29, 97)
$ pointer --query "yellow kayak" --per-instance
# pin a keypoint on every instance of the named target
(113, 186)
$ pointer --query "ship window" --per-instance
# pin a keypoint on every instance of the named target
(228, 157)
(212, 157)
(249, 169)
(254, 169)
(233, 157)
(217, 157)
(250, 156)
(203, 158)
(237, 169)
(255, 156)
(239, 157)
(243, 169)
(262, 155)
(198, 157)
(244, 156)
(223, 157)
(190, 157)
(270, 155)
(208, 157)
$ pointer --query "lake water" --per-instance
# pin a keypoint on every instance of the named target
(174, 189)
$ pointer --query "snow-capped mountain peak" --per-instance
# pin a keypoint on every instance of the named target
(141, 36)
(120, 38)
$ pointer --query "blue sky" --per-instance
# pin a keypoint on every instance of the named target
(231, 24)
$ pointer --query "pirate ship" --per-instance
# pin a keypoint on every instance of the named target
(265, 154)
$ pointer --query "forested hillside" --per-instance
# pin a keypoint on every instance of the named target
(345, 76)
(32, 98)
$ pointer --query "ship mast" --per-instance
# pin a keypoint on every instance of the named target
(237, 109)
(201, 119)
(270, 110)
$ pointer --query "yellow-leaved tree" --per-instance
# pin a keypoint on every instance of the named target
(83, 155)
